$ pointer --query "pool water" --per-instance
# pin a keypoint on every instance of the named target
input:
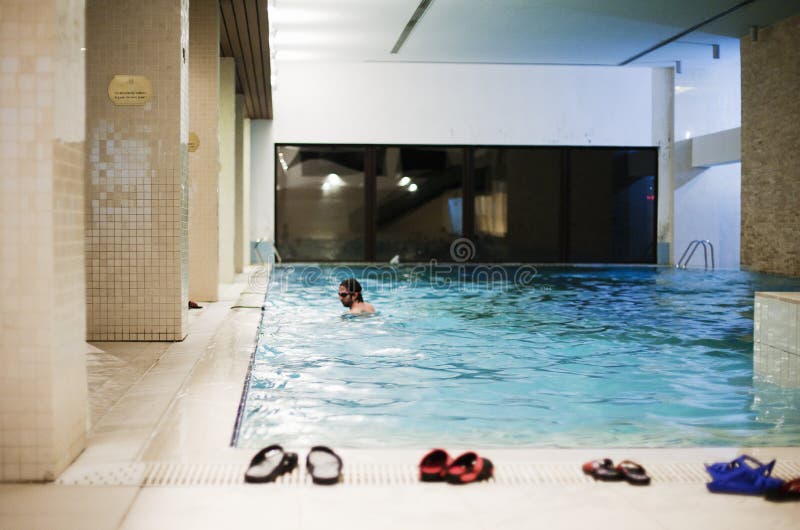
(514, 356)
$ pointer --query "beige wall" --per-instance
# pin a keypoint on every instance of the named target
(663, 126)
(227, 167)
(136, 205)
(246, 192)
(43, 391)
(204, 163)
(770, 154)
(238, 254)
(242, 236)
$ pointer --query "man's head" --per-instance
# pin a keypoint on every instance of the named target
(350, 292)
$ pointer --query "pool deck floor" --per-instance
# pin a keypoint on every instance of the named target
(158, 457)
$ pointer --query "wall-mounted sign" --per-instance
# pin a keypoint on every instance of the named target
(194, 142)
(129, 90)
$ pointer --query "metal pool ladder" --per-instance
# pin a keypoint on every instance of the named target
(274, 251)
(690, 250)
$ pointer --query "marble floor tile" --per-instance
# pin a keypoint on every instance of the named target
(45, 507)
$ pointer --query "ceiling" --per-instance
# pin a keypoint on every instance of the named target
(572, 32)
(596, 32)
(244, 35)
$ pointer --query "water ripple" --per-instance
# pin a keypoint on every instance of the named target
(583, 357)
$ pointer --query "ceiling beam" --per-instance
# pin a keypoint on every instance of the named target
(263, 27)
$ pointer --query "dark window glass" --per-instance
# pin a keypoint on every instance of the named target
(612, 205)
(526, 204)
(320, 203)
(518, 204)
(419, 202)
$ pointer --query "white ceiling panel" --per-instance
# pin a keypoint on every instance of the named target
(592, 32)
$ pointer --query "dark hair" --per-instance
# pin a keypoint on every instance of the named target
(353, 287)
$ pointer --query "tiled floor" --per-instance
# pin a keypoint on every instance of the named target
(159, 457)
(113, 368)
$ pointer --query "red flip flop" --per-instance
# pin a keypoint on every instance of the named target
(433, 466)
(788, 491)
(469, 467)
(603, 470)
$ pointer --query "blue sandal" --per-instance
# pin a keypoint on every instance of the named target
(740, 477)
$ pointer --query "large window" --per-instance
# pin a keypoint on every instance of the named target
(523, 204)
(518, 203)
(319, 200)
(612, 205)
(420, 202)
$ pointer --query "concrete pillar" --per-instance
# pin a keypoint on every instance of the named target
(204, 162)
(770, 157)
(136, 204)
(227, 168)
(663, 137)
(242, 238)
(262, 180)
(43, 390)
(246, 212)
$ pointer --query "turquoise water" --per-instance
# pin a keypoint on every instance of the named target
(555, 357)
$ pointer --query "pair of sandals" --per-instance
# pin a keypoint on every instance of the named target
(324, 465)
(748, 476)
(439, 466)
(626, 470)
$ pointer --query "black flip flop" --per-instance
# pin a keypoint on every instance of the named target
(270, 463)
(324, 465)
(634, 473)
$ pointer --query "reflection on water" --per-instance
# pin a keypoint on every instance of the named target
(578, 357)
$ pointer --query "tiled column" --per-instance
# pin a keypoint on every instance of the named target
(43, 391)
(776, 338)
(136, 218)
(242, 239)
(227, 168)
(204, 163)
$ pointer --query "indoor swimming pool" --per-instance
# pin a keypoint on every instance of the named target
(514, 357)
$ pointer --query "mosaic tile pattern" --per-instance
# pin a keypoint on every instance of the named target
(136, 204)
(776, 338)
(204, 163)
(42, 366)
(770, 158)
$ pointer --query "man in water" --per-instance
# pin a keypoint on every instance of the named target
(350, 296)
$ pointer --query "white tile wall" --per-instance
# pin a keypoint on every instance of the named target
(43, 389)
(776, 366)
(776, 338)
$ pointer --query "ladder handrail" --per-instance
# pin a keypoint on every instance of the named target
(695, 242)
(274, 251)
(712, 254)
(691, 248)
